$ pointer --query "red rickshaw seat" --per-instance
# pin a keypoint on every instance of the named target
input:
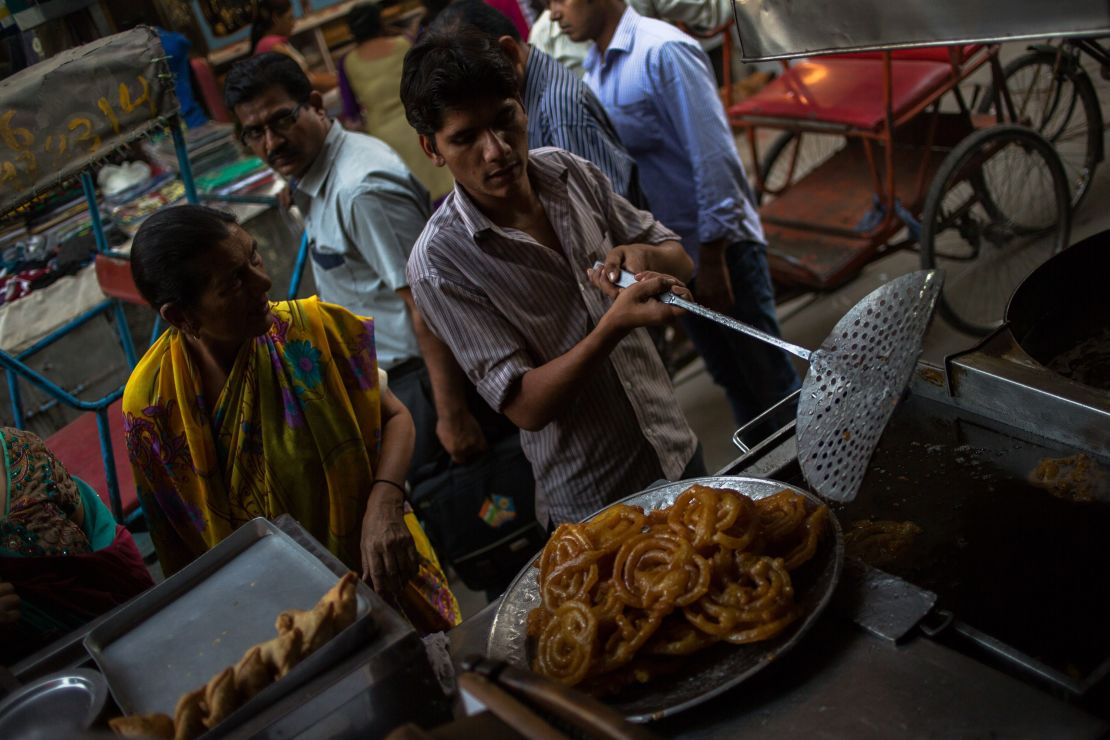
(211, 92)
(847, 92)
(77, 446)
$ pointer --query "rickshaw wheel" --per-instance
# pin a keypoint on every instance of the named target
(808, 150)
(1052, 94)
(997, 208)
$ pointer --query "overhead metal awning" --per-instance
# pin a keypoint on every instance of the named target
(781, 29)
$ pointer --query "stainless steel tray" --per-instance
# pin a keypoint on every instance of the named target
(175, 637)
(713, 670)
(63, 704)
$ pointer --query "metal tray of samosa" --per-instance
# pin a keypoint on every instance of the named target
(716, 668)
(173, 638)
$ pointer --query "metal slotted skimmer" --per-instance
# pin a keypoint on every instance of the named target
(855, 379)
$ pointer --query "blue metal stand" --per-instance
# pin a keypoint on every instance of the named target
(15, 366)
(298, 267)
(185, 170)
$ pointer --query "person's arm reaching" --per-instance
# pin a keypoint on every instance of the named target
(527, 384)
(667, 258)
(388, 552)
(457, 429)
(542, 393)
(642, 243)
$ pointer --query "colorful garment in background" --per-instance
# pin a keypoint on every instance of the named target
(373, 85)
(270, 42)
(296, 430)
(511, 9)
(281, 45)
(64, 572)
(177, 49)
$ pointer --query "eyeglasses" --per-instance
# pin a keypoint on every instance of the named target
(279, 124)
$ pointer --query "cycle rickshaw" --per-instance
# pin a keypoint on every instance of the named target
(879, 138)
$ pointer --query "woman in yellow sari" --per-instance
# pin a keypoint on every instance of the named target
(248, 408)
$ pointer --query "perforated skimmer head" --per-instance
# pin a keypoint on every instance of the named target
(856, 379)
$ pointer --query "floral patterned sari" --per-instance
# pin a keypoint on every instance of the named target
(296, 429)
(64, 573)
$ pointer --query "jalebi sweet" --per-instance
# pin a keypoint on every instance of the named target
(567, 644)
(627, 592)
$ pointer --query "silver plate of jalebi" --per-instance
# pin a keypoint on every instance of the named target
(714, 669)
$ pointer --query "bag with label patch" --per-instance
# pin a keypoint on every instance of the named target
(481, 516)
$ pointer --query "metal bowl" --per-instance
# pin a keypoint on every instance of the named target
(62, 704)
(715, 669)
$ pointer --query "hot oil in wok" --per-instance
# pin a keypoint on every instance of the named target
(1087, 363)
(1003, 554)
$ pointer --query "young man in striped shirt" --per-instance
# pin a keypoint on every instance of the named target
(502, 274)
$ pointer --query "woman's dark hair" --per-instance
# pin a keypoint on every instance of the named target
(265, 11)
(476, 14)
(166, 252)
(365, 21)
(443, 70)
(253, 76)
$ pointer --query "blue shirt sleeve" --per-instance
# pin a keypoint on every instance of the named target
(690, 105)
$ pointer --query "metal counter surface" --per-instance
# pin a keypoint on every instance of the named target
(842, 682)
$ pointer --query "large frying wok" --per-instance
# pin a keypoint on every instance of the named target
(1060, 314)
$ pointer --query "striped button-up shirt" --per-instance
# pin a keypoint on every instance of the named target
(658, 88)
(506, 304)
(562, 112)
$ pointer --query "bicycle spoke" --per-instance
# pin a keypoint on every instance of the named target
(997, 220)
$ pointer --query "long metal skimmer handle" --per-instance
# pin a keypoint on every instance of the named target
(627, 279)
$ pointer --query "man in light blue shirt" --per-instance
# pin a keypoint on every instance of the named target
(363, 211)
(658, 88)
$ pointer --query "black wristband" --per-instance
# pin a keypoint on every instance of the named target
(396, 485)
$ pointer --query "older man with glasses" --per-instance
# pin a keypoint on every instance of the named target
(363, 212)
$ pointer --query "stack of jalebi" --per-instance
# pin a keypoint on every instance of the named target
(712, 567)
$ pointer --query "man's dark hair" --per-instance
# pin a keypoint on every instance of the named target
(166, 252)
(365, 21)
(476, 14)
(446, 70)
(252, 76)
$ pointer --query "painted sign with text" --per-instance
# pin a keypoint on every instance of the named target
(63, 114)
